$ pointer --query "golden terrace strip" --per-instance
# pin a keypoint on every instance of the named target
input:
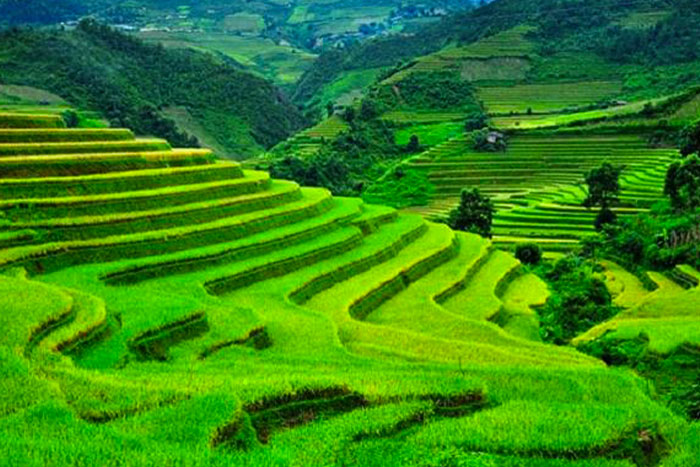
(162, 306)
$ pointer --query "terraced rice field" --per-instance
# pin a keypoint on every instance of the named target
(530, 122)
(502, 56)
(546, 97)
(309, 141)
(668, 315)
(211, 316)
(536, 183)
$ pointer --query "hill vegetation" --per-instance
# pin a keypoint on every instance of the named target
(133, 84)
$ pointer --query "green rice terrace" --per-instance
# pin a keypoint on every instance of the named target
(537, 183)
(167, 307)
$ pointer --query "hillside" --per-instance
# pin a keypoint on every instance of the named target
(647, 45)
(568, 89)
(484, 251)
(155, 91)
(210, 315)
(277, 40)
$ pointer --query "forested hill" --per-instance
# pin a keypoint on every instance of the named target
(643, 32)
(149, 88)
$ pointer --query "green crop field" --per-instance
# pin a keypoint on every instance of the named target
(537, 182)
(546, 97)
(281, 63)
(206, 315)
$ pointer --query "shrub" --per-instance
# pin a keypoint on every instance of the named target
(579, 300)
(528, 253)
(605, 217)
(476, 121)
(488, 141)
(413, 144)
(683, 184)
(71, 119)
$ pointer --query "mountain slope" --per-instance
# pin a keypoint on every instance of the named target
(131, 83)
(650, 34)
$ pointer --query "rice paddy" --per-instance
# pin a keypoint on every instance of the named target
(174, 308)
(536, 183)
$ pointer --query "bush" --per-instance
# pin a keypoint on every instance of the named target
(413, 144)
(488, 141)
(683, 184)
(437, 90)
(476, 121)
(71, 119)
(579, 300)
(528, 253)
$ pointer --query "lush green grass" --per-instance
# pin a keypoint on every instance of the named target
(667, 316)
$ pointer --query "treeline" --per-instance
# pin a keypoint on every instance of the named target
(131, 82)
(14, 12)
(673, 40)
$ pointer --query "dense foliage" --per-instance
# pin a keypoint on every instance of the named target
(657, 240)
(346, 165)
(683, 184)
(603, 190)
(473, 214)
(130, 82)
(579, 300)
(438, 90)
(528, 253)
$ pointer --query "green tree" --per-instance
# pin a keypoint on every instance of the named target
(690, 139)
(330, 109)
(70, 117)
(528, 253)
(683, 184)
(474, 213)
(369, 110)
(413, 144)
(603, 190)
(349, 115)
(476, 121)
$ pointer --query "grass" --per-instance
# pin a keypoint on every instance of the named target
(47, 148)
(46, 135)
(204, 326)
(417, 117)
(86, 164)
(502, 56)
(20, 121)
(668, 317)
